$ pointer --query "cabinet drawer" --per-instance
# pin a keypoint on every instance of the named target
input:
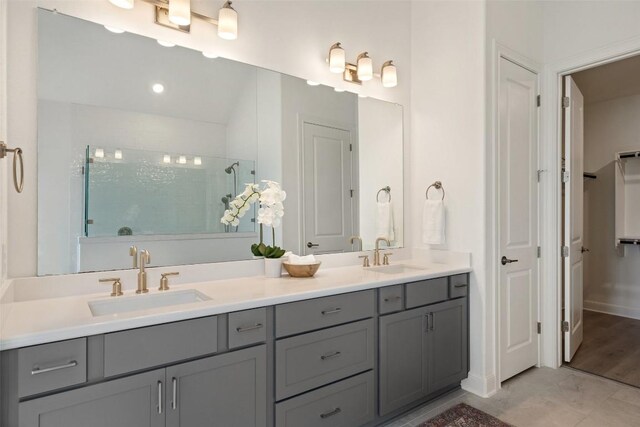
(136, 349)
(319, 313)
(458, 285)
(51, 366)
(317, 358)
(390, 299)
(247, 327)
(347, 403)
(427, 292)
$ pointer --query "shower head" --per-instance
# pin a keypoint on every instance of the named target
(231, 167)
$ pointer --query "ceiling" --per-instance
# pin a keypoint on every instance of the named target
(615, 80)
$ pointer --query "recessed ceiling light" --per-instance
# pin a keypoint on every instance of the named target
(210, 55)
(337, 89)
(114, 29)
(312, 83)
(157, 88)
(166, 43)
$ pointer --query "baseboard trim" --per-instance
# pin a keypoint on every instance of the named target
(616, 310)
(480, 385)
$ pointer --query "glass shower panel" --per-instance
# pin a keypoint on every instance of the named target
(141, 192)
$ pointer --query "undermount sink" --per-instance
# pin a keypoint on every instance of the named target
(144, 302)
(395, 269)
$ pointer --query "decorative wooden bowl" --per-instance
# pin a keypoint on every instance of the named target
(301, 270)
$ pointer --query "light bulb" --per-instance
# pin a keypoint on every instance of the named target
(182, 160)
(228, 22)
(114, 29)
(312, 83)
(157, 88)
(336, 59)
(365, 67)
(118, 154)
(210, 55)
(124, 4)
(180, 12)
(197, 161)
(337, 89)
(166, 43)
(166, 158)
(389, 74)
(99, 153)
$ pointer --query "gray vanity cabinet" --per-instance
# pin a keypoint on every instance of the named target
(134, 401)
(227, 390)
(403, 358)
(422, 351)
(447, 349)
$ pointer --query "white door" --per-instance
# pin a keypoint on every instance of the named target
(327, 195)
(573, 216)
(518, 221)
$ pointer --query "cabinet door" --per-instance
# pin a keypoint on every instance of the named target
(134, 401)
(447, 343)
(227, 390)
(403, 359)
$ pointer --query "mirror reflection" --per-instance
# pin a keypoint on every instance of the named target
(146, 145)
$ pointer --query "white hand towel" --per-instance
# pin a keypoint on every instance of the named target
(384, 221)
(301, 260)
(433, 222)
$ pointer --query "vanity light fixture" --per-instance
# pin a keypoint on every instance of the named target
(99, 154)
(177, 14)
(114, 30)
(182, 160)
(197, 161)
(166, 158)
(389, 74)
(165, 43)
(157, 88)
(118, 154)
(364, 67)
(180, 12)
(337, 60)
(362, 70)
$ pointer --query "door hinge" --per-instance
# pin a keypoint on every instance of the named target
(539, 328)
(565, 251)
(82, 171)
(351, 193)
(540, 171)
(565, 176)
(566, 102)
(350, 147)
(539, 251)
(538, 100)
(565, 326)
(90, 160)
(89, 221)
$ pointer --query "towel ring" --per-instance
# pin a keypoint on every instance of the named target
(387, 190)
(18, 184)
(438, 186)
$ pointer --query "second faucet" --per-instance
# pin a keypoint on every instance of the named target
(145, 259)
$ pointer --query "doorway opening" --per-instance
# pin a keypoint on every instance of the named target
(601, 220)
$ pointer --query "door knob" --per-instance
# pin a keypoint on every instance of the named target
(583, 250)
(506, 260)
(312, 245)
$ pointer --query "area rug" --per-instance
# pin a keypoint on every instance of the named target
(463, 415)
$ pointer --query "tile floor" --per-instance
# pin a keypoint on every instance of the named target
(546, 397)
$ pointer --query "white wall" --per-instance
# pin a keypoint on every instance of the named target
(298, 47)
(448, 134)
(611, 282)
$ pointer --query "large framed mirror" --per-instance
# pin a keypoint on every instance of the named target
(145, 145)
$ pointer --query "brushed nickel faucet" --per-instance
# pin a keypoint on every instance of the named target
(133, 252)
(354, 238)
(145, 259)
(376, 252)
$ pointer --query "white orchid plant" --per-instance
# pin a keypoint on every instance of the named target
(270, 213)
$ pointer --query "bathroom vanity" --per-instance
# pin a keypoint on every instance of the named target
(361, 354)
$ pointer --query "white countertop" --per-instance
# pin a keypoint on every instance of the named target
(38, 321)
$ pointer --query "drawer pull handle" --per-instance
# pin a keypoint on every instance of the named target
(431, 327)
(460, 285)
(249, 328)
(393, 298)
(174, 398)
(331, 413)
(330, 355)
(335, 310)
(160, 397)
(37, 370)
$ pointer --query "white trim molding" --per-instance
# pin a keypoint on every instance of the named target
(551, 149)
(4, 170)
(614, 309)
(479, 385)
